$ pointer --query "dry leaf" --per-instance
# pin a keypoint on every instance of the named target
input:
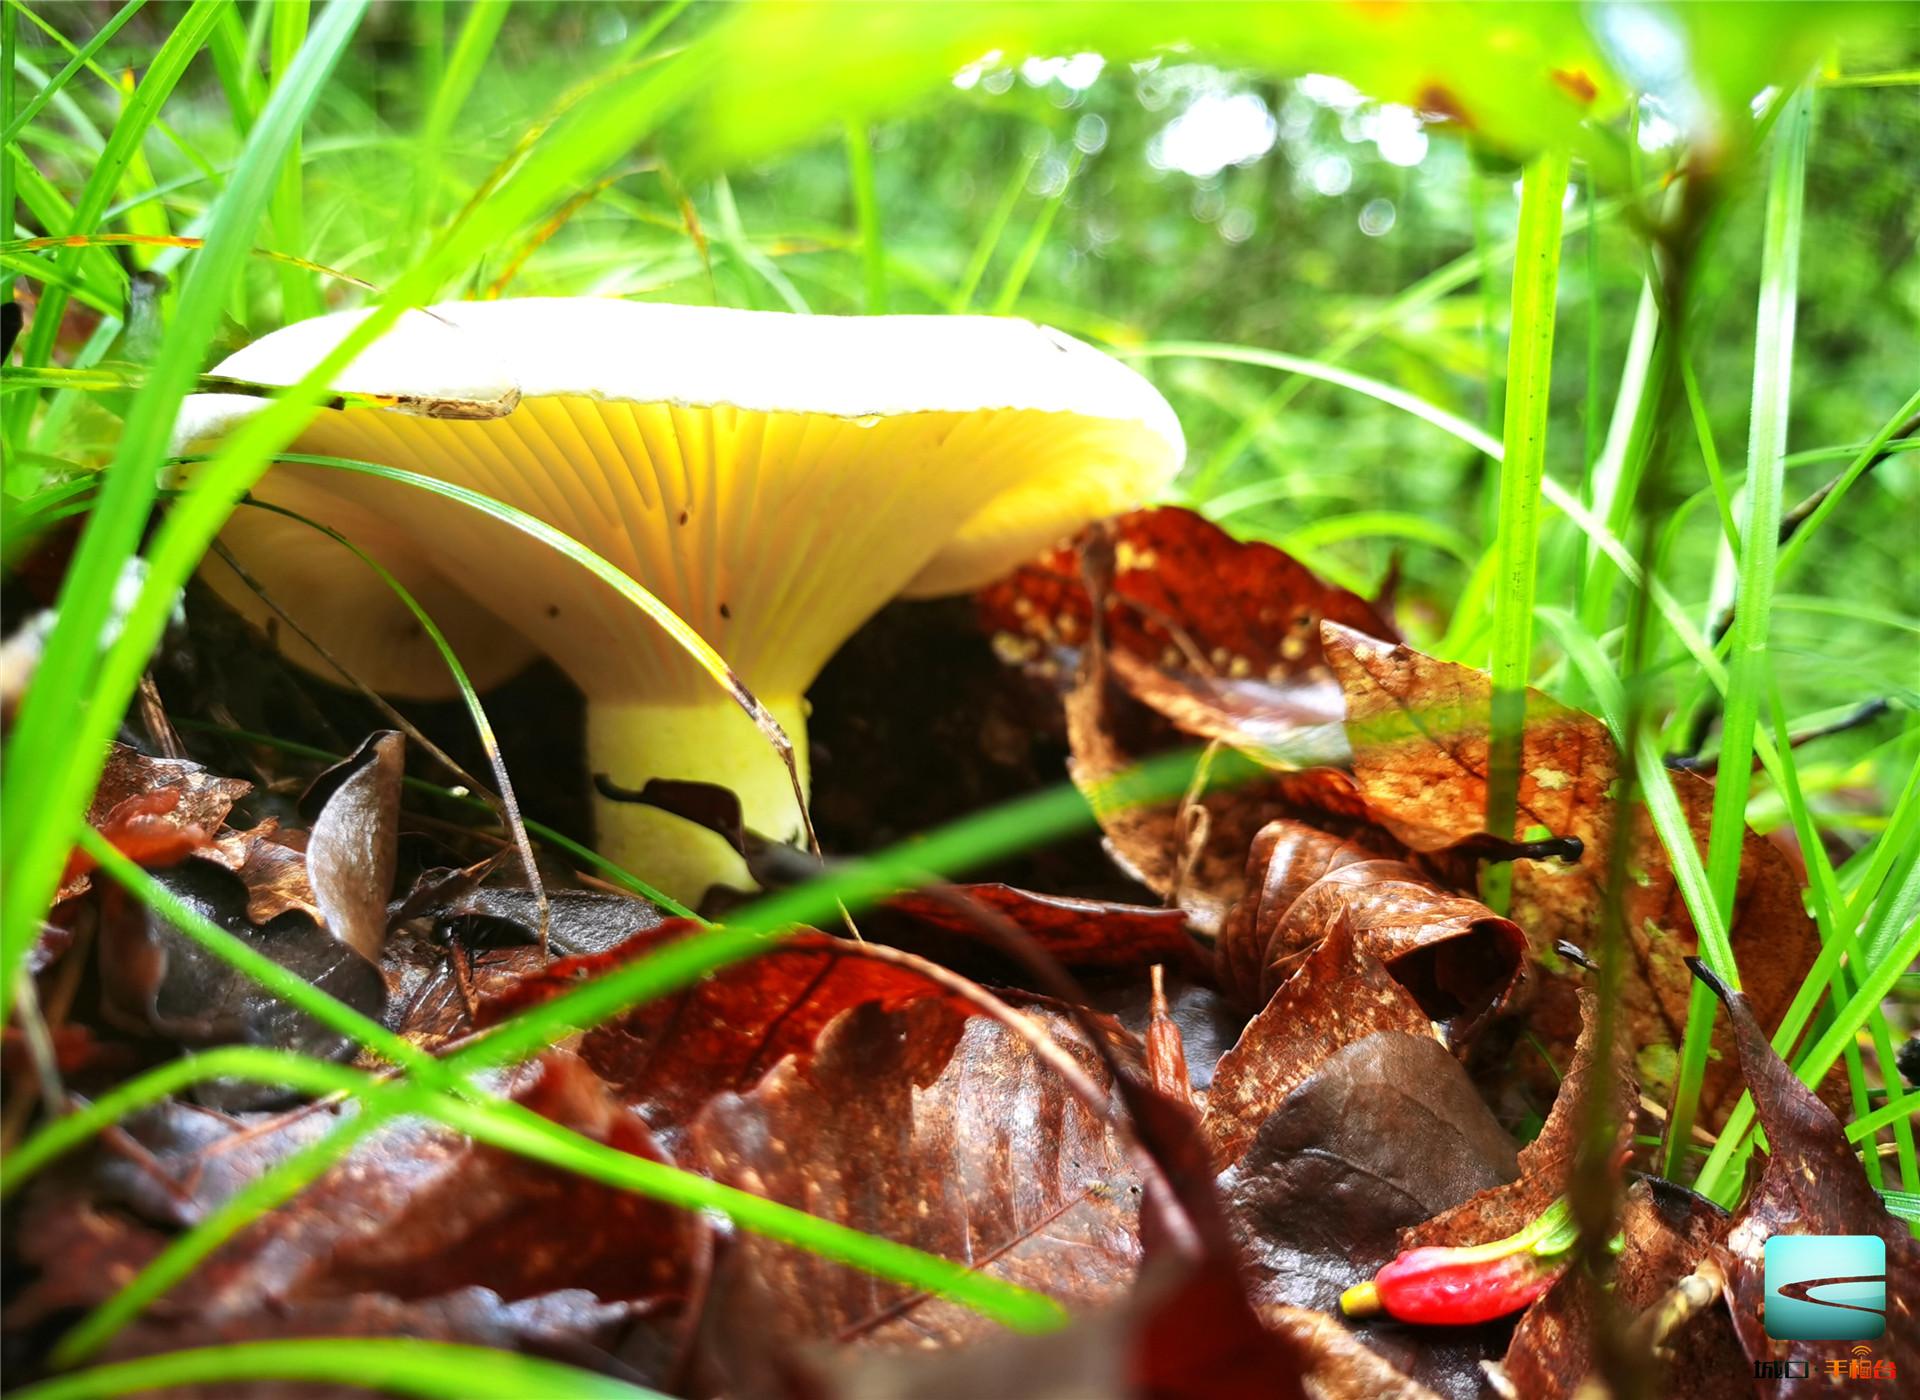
(1419, 733)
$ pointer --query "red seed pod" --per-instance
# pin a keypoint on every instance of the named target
(1437, 1286)
(1473, 1283)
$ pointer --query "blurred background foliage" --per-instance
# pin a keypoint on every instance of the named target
(1178, 196)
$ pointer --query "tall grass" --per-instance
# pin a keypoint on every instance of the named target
(1566, 547)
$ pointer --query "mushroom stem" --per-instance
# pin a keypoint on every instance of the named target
(700, 741)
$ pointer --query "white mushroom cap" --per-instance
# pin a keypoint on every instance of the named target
(899, 454)
(774, 479)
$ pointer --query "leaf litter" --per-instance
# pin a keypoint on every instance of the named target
(1272, 1003)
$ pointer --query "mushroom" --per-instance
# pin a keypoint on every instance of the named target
(773, 478)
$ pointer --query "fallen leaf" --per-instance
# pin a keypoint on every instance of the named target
(1081, 933)
(1219, 636)
(351, 852)
(1812, 1184)
(1665, 1232)
(1546, 1163)
(156, 979)
(157, 810)
(1178, 1336)
(1193, 852)
(950, 1136)
(1383, 1133)
(272, 864)
(1419, 733)
(668, 1057)
(418, 1231)
(1459, 959)
(1339, 995)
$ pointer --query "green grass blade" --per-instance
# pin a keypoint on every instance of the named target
(17, 121)
(58, 744)
(71, 720)
(477, 35)
(991, 235)
(866, 207)
(1536, 281)
(1036, 240)
(169, 65)
(186, 1252)
(298, 299)
(1749, 673)
(408, 1366)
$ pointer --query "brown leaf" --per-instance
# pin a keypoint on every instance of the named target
(1339, 995)
(669, 1056)
(1219, 636)
(156, 979)
(1194, 852)
(272, 864)
(1665, 1232)
(351, 851)
(1339, 1365)
(415, 1215)
(1181, 1335)
(1384, 1133)
(1812, 1184)
(1546, 1163)
(1419, 733)
(158, 810)
(1084, 933)
(1458, 958)
(949, 1136)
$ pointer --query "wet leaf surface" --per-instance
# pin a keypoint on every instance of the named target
(1419, 733)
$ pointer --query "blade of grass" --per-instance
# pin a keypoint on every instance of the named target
(1748, 675)
(254, 1063)
(507, 805)
(589, 860)
(1036, 239)
(509, 1126)
(9, 207)
(1536, 281)
(1429, 289)
(289, 986)
(392, 1365)
(1829, 909)
(52, 760)
(169, 64)
(288, 32)
(476, 39)
(17, 121)
(185, 1252)
(71, 717)
(866, 208)
(996, 227)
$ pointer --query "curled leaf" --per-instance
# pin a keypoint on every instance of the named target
(1459, 959)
